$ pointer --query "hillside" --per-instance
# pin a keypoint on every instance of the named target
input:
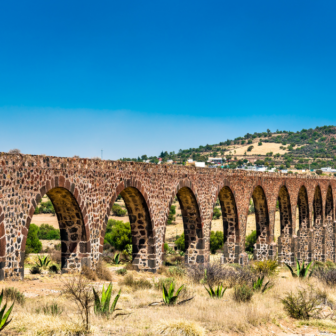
(308, 148)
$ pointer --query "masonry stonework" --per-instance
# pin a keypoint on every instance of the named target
(83, 192)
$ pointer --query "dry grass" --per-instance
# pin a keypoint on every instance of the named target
(217, 317)
(179, 328)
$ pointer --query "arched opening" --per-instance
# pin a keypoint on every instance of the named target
(303, 249)
(285, 246)
(192, 225)
(329, 226)
(72, 231)
(262, 247)
(230, 225)
(141, 238)
(319, 247)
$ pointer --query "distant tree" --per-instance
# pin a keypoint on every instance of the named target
(249, 149)
(216, 213)
(14, 151)
(249, 141)
(216, 241)
(33, 244)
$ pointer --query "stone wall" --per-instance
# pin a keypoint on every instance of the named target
(83, 192)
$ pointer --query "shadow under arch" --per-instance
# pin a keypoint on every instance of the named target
(262, 249)
(144, 256)
(319, 232)
(192, 223)
(285, 244)
(304, 234)
(329, 226)
(75, 234)
(230, 225)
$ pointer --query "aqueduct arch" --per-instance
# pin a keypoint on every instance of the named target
(84, 190)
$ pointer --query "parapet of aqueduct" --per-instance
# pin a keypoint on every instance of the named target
(83, 192)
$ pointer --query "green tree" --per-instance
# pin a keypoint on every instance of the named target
(171, 217)
(216, 213)
(33, 244)
(180, 243)
(118, 234)
(216, 241)
(48, 232)
(250, 240)
(118, 210)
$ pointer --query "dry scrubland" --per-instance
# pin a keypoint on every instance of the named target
(264, 315)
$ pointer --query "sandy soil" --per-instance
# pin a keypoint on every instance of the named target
(45, 219)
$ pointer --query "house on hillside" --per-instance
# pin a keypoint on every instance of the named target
(328, 170)
(216, 160)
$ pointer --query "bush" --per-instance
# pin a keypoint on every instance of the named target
(249, 149)
(176, 271)
(35, 270)
(135, 284)
(216, 241)
(242, 293)
(118, 210)
(118, 234)
(250, 240)
(180, 243)
(122, 271)
(12, 294)
(53, 269)
(33, 244)
(303, 305)
(101, 272)
(318, 171)
(45, 207)
(327, 276)
(171, 217)
(163, 282)
(48, 232)
(267, 267)
(216, 213)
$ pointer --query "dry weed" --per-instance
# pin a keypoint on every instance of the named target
(179, 328)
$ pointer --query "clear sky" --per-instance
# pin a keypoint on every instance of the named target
(138, 77)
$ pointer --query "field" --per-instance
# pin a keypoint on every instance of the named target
(263, 315)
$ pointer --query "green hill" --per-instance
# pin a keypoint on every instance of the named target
(308, 148)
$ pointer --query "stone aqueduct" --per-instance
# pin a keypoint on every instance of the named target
(83, 192)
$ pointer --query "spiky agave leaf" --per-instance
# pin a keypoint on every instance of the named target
(106, 298)
(4, 316)
(97, 304)
(290, 268)
(114, 303)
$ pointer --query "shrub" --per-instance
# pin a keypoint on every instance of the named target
(171, 217)
(35, 270)
(89, 273)
(176, 271)
(249, 149)
(267, 267)
(50, 309)
(180, 243)
(303, 305)
(135, 284)
(250, 240)
(259, 285)
(48, 232)
(318, 172)
(102, 271)
(216, 213)
(118, 234)
(179, 327)
(118, 210)
(53, 269)
(327, 276)
(301, 271)
(122, 271)
(12, 294)
(46, 208)
(242, 293)
(163, 282)
(33, 244)
(56, 256)
(216, 241)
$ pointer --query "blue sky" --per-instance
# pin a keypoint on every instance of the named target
(138, 77)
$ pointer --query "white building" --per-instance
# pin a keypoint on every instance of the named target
(328, 170)
(216, 160)
(200, 164)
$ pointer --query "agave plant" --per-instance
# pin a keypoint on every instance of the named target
(4, 315)
(116, 258)
(102, 306)
(301, 271)
(168, 295)
(43, 262)
(217, 293)
(258, 285)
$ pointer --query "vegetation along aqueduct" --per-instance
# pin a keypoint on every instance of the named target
(83, 192)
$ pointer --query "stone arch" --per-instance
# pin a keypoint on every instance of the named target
(230, 225)
(304, 234)
(143, 235)
(72, 220)
(319, 232)
(329, 226)
(285, 246)
(262, 248)
(195, 238)
(2, 245)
